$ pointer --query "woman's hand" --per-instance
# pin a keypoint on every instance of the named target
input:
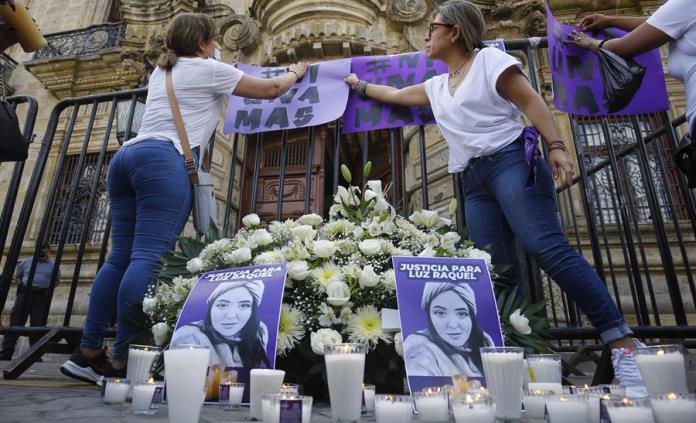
(558, 160)
(299, 68)
(582, 40)
(351, 80)
(595, 22)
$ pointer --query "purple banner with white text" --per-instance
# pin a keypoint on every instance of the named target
(320, 97)
(577, 80)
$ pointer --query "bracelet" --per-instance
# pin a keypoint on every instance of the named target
(361, 87)
(297, 75)
(601, 43)
(557, 145)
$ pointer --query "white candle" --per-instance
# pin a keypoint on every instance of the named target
(185, 373)
(143, 396)
(236, 394)
(535, 407)
(432, 407)
(673, 408)
(503, 370)
(593, 406)
(263, 381)
(555, 388)
(664, 371)
(115, 391)
(470, 411)
(283, 407)
(630, 415)
(140, 359)
(230, 395)
(545, 367)
(369, 398)
(391, 409)
(566, 410)
(344, 371)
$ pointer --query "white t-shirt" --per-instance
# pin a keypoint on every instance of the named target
(200, 86)
(476, 121)
(677, 18)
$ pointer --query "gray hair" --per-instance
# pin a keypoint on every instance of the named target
(468, 17)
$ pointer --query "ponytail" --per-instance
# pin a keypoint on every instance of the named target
(167, 59)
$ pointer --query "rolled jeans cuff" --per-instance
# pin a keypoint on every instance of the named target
(615, 333)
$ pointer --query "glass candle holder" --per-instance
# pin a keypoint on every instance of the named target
(115, 390)
(368, 406)
(231, 394)
(290, 389)
(502, 367)
(567, 408)
(545, 368)
(185, 368)
(147, 396)
(345, 366)
(432, 406)
(469, 409)
(595, 395)
(393, 408)
(674, 408)
(535, 404)
(263, 381)
(663, 368)
(287, 408)
(140, 361)
(625, 410)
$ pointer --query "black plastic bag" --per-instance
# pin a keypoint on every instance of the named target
(13, 146)
(622, 79)
(685, 159)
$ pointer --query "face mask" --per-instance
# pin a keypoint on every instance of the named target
(218, 55)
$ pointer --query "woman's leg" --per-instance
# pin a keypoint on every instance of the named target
(163, 205)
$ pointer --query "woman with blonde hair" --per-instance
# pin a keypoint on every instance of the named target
(477, 107)
(149, 187)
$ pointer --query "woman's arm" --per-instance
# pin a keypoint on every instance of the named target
(515, 87)
(641, 40)
(598, 21)
(413, 96)
(253, 87)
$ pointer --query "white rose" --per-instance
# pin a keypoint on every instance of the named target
(399, 343)
(449, 240)
(324, 249)
(160, 331)
(251, 220)
(370, 247)
(262, 237)
(195, 265)
(298, 270)
(338, 293)
(520, 323)
(311, 219)
(427, 252)
(304, 232)
(149, 305)
(368, 277)
(389, 279)
(237, 256)
(324, 337)
(480, 254)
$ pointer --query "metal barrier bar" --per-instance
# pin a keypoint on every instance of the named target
(423, 167)
(281, 182)
(230, 186)
(308, 174)
(257, 166)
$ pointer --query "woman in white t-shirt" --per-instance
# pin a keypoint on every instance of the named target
(674, 22)
(477, 107)
(149, 188)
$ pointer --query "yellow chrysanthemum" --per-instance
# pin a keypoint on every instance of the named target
(290, 330)
(365, 327)
(327, 273)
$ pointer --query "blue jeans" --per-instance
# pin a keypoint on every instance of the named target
(499, 210)
(150, 201)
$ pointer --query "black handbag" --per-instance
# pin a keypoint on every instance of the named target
(13, 146)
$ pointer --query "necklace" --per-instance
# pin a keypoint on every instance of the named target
(456, 72)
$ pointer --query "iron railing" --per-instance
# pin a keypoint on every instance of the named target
(648, 209)
(82, 42)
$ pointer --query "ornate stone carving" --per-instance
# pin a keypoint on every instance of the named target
(406, 11)
(239, 32)
(528, 17)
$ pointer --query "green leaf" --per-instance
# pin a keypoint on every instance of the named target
(213, 232)
(190, 247)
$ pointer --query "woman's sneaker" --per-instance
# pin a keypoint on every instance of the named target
(85, 369)
(111, 372)
(626, 371)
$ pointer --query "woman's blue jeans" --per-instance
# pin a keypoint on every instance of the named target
(150, 202)
(499, 210)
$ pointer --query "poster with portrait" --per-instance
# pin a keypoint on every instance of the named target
(235, 313)
(448, 311)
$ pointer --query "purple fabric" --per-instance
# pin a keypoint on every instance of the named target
(577, 80)
(318, 98)
(530, 137)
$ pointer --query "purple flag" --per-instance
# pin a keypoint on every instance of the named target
(398, 71)
(577, 81)
(318, 98)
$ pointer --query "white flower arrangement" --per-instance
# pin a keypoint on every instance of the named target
(340, 272)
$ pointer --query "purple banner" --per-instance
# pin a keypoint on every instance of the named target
(448, 311)
(398, 71)
(577, 79)
(318, 98)
(233, 307)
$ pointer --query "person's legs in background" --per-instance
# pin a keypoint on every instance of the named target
(17, 318)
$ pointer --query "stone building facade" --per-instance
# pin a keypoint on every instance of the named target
(109, 45)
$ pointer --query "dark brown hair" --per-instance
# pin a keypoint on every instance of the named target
(183, 35)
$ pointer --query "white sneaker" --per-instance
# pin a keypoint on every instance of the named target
(626, 371)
